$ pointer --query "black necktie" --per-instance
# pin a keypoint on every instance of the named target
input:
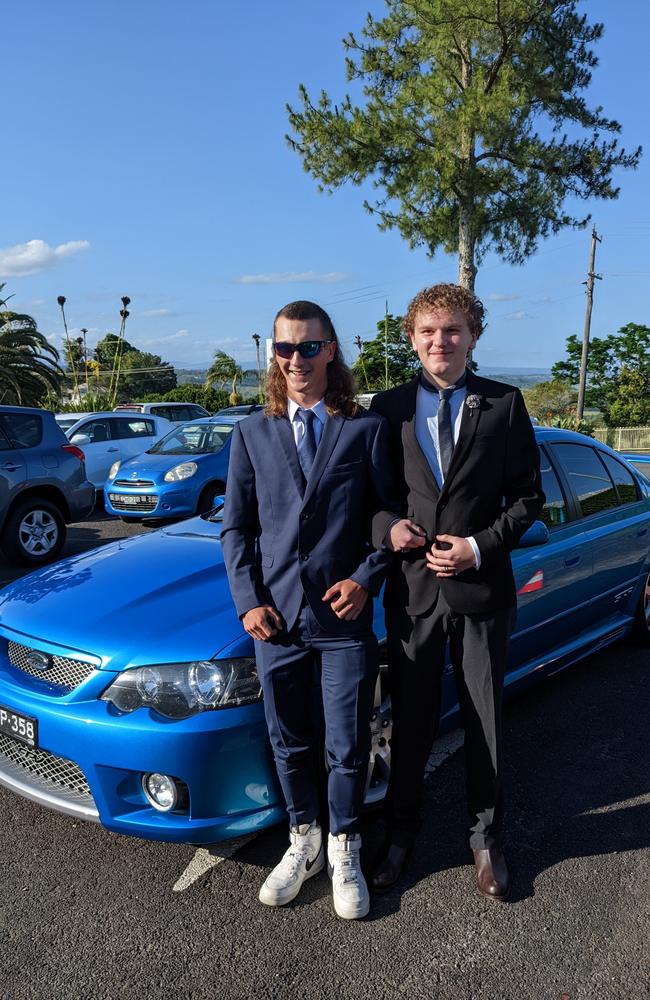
(445, 436)
(307, 449)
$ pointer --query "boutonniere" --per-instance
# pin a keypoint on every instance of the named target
(472, 403)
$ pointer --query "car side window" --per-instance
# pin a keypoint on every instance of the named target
(623, 478)
(96, 430)
(554, 512)
(162, 411)
(131, 427)
(588, 477)
(23, 430)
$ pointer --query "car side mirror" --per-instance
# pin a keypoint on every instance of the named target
(537, 534)
(80, 439)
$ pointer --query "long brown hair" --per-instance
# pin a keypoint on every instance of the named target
(341, 388)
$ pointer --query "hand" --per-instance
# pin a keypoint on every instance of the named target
(453, 560)
(404, 535)
(347, 599)
(262, 623)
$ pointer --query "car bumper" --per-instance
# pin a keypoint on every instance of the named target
(167, 503)
(82, 502)
(91, 760)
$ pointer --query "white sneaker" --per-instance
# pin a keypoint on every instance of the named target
(304, 858)
(351, 898)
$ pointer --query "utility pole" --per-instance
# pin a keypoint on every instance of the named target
(591, 277)
(386, 345)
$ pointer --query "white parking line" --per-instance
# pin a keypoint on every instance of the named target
(205, 859)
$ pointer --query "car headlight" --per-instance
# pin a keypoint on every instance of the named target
(179, 472)
(112, 472)
(178, 690)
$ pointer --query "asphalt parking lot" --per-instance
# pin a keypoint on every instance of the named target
(85, 913)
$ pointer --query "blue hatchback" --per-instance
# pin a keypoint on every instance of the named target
(180, 475)
(128, 689)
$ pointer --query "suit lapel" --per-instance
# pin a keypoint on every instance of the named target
(284, 431)
(331, 432)
(469, 422)
(412, 451)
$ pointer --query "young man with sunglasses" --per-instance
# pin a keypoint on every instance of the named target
(305, 477)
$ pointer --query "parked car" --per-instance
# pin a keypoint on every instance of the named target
(110, 437)
(244, 410)
(180, 475)
(640, 462)
(143, 712)
(43, 485)
(174, 412)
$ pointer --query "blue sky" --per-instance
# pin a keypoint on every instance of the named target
(144, 154)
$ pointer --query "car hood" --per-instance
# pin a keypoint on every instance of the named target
(146, 466)
(162, 597)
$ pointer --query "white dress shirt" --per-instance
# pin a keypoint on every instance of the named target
(426, 433)
(298, 425)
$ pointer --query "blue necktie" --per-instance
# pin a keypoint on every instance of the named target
(445, 436)
(307, 449)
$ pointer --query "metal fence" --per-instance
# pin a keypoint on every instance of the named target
(624, 438)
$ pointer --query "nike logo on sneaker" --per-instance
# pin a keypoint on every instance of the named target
(310, 864)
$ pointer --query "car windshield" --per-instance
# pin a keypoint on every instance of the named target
(193, 439)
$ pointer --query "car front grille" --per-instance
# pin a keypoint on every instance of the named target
(57, 772)
(145, 484)
(64, 672)
(144, 503)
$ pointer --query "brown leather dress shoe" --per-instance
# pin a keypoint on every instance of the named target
(492, 877)
(389, 871)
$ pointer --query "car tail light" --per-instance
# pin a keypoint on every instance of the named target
(73, 450)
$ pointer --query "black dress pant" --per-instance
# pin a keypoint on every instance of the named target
(416, 657)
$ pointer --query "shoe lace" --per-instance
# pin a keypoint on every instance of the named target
(347, 867)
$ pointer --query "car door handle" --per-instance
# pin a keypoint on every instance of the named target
(112, 449)
(573, 561)
(10, 467)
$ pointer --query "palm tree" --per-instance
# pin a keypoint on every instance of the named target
(225, 369)
(29, 366)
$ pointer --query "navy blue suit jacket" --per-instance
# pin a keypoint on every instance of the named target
(282, 538)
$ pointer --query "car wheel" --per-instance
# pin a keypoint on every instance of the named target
(641, 630)
(208, 498)
(381, 736)
(34, 532)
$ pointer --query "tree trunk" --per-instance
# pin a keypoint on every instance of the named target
(466, 248)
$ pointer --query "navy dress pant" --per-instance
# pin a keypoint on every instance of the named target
(347, 664)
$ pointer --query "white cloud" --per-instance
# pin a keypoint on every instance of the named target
(156, 312)
(289, 277)
(517, 315)
(160, 341)
(35, 256)
(496, 297)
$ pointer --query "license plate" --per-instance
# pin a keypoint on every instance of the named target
(21, 727)
(131, 501)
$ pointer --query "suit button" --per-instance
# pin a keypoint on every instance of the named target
(304, 517)
(304, 557)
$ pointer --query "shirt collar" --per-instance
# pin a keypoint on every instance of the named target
(460, 384)
(319, 409)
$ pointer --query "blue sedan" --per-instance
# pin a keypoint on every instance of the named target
(141, 710)
(180, 475)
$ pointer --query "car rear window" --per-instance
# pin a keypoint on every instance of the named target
(589, 479)
(623, 479)
(24, 430)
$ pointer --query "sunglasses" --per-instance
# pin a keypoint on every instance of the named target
(307, 349)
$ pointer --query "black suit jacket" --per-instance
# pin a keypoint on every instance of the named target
(492, 491)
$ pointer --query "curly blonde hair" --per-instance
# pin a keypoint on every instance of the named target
(341, 387)
(452, 297)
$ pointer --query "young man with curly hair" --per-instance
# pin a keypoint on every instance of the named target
(467, 465)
